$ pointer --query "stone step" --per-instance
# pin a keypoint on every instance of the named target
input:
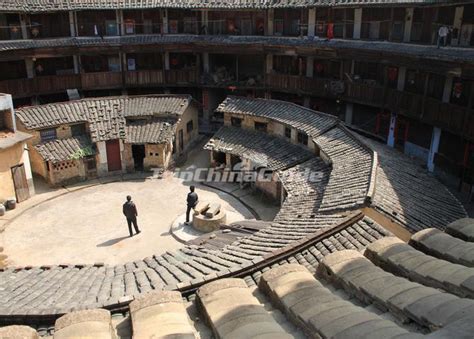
(408, 301)
(18, 331)
(85, 324)
(160, 314)
(318, 311)
(444, 246)
(462, 229)
(399, 258)
(233, 312)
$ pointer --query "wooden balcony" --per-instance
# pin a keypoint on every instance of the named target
(181, 77)
(144, 78)
(296, 83)
(101, 80)
(364, 94)
(57, 83)
(451, 117)
(19, 88)
(408, 104)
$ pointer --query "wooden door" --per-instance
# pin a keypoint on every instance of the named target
(21, 184)
(114, 162)
(181, 140)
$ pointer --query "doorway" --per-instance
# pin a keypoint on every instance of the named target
(20, 182)
(114, 162)
(138, 154)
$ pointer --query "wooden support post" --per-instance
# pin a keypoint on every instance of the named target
(205, 62)
(30, 68)
(357, 23)
(402, 73)
(204, 21)
(349, 113)
(458, 15)
(310, 66)
(167, 61)
(435, 138)
(164, 16)
(391, 130)
(270, 16)
(24, 28)
(120, 25)
(72, 24)
(448, 85)
(311, 22)
(269, 63)
(408, 24)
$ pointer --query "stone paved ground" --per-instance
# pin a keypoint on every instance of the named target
(87, 225)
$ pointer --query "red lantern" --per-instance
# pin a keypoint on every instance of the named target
(319, 68)
(392, 73)
(330, 31)
(457, 89)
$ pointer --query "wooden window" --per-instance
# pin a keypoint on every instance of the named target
(77, 130)
(236, 122)
(288, 132)
(48, 134)
(261, 127)
(189, 126)
(303, 138)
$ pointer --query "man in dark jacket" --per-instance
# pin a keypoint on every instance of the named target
(130, 212)
(191, 201)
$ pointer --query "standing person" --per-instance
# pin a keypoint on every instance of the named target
(191, 201)
(443, 35)
(130, 211)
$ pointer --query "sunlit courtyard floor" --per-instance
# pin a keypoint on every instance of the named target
(87, 226)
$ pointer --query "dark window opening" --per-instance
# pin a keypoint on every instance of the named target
(236, 122)
(48, 134)
(303, 138)
(189, 126)
(78, 130)
(261, 127)
(288, 132)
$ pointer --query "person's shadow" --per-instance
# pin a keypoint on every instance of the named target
(112, 241)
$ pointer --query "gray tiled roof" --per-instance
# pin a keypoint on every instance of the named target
(408, 194)
(65, 149)
(154, 131)
(266, 150)
(52, 5)
(450, 53)
(106, 116)
(312, 122)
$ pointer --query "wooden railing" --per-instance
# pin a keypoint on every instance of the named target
(18, 87)
(178, 76)
(296, 83)
(408, 104)
(101, 80)
(456, 119)
(144, 78)
(40, 85)
(365, 94)
(57, 83)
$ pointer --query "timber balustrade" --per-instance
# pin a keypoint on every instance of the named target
(453, 118)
